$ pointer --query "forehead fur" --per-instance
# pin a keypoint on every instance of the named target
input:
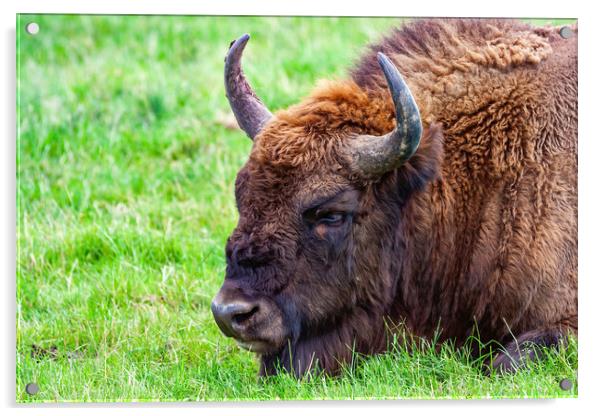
(310, 134)
(442, 62)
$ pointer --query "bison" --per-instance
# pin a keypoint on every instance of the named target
(434, 191)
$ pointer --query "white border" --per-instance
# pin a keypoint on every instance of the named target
(589, 184)
(506, 8)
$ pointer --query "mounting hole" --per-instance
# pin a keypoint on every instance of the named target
(566, 384)
(32, 28)
(32, 388)
(566, 32)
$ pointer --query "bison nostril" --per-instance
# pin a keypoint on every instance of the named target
(240, 318)
(232, 317)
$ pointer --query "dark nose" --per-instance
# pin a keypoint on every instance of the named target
(233, 317)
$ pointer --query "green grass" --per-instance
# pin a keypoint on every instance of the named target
(125, 200)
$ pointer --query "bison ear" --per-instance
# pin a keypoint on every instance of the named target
(249, 111)
(372, 156)
(425, 164)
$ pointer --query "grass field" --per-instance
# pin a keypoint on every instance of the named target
(126, 166)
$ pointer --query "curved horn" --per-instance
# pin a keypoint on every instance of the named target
(249, 111)
(375, 155)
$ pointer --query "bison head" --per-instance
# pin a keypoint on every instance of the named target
(313, 264)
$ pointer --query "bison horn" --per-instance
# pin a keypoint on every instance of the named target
(374, 155)
(249, 111)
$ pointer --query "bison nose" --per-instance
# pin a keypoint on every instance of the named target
(233, 317)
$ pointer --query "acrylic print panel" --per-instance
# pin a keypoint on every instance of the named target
(401, 225)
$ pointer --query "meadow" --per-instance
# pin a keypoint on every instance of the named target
(126, 159)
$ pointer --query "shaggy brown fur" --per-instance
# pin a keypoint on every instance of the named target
(479, 227)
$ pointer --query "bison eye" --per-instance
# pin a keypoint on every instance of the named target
(331, 219)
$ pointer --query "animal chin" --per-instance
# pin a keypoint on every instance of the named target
(259, 347)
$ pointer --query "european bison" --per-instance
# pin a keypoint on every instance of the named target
(440, 199)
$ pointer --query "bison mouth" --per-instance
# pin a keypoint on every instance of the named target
(254, 321)
(259, 347)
